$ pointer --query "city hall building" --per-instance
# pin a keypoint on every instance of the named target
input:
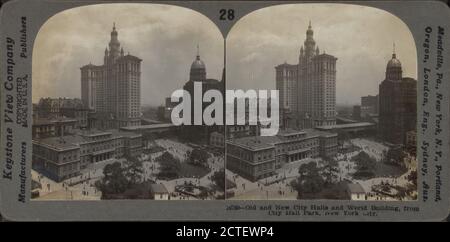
(63, 157)
(257, 157)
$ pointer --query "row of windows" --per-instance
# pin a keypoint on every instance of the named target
(69, 156)
(70, 167)
(297, 146)
(264, 167)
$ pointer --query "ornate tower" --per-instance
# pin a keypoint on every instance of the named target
(315, 85)
(114, 44)
(113, 89)
(310, 43)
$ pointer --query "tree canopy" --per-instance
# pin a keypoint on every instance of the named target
(198, 157)
(309, 181)
(219, 179)
(169, 166)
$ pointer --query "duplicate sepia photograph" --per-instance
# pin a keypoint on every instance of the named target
(347, 82)
(103, 76)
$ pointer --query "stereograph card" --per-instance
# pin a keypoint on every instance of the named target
(217, 110)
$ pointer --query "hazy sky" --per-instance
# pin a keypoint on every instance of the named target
(165, 37)
(360, 37)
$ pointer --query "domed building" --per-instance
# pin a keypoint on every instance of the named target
(397, 104)
(200, 133)
(394, 68)
(198, 70)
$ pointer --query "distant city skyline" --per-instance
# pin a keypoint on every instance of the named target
(165, 42)
(360, 37)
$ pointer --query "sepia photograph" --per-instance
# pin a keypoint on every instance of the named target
(346, 77)
(103, 76)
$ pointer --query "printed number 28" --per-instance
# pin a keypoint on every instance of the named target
(226, 14)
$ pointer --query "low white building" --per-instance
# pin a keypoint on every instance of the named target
(356, 192)
(159, 192)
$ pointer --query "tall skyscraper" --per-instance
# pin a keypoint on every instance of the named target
(308, 89)
(113, 90)
(398, 100)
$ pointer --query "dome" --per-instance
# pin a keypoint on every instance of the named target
(394, 62)
(198, 64)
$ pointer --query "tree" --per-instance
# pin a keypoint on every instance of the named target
(330, 170)
(309, 181)
(365, 164)
(114, 180)
(395, 156)
(203, 193)
(170, 166)
(412, 177)
(133, 170)
(219, 179)
(198, 157)
(343, 136)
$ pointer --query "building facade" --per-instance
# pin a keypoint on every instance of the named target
(217, 140)
(369, 105)
(258, 157)
(398, 100)
(113, 90)
(308, 89)
(357, 113)
(57, 108)
(65, 156)
(52, 127)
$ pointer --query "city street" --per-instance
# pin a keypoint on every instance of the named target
(269, 188)
(82, 187)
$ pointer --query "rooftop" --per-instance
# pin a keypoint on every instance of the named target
(343, 126)
(48, 121)
(148, 126)
(285, 65)
(289, 131)
(267, 142)
(93, 132)
(316, 132)
(158, 188)
(256, 142)
(122, 133)
(67, 142)
(80, 136)
(355, 188)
